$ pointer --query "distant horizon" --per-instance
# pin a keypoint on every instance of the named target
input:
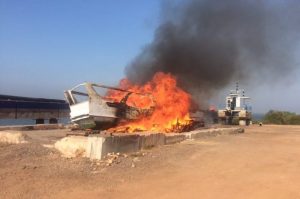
(253, 113)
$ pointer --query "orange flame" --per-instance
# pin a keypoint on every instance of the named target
(172, 104)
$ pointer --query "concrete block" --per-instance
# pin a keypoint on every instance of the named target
(233, 130)
(123, 143)
(150, 140)
(94, 147)
(12, 137)
(172, 138)
(98, 146)
(197, 134)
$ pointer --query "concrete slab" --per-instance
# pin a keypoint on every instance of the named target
(149, 140)
(98, 146)
(125, 143)
(197, 134)
(172, 138)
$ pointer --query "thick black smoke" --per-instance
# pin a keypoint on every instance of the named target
(208, 44)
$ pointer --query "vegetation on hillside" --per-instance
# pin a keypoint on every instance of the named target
(281, 117)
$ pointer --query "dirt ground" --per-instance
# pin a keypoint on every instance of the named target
(264, 162)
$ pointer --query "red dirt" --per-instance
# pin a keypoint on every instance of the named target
(261, 163)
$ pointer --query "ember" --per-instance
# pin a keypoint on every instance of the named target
(172, 104)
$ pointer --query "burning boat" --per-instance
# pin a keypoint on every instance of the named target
(91, 109)
(158, 105)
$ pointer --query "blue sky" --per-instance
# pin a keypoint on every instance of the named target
(49, 46)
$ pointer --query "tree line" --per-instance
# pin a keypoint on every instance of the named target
(281, 117)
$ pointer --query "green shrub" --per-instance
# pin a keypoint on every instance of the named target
(295, 119)
(281, 117)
